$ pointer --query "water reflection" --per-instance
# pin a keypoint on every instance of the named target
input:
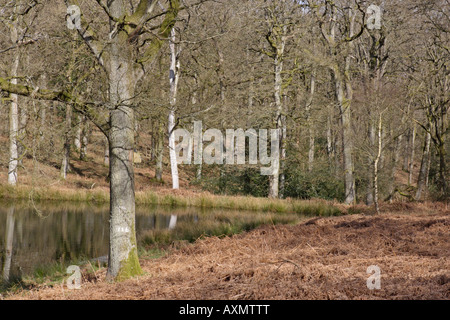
(33, 236)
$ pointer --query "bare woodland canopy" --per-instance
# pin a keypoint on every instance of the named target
(356, 106)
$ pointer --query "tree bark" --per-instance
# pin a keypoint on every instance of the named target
(375, 166)
(277, 40)
(123, 261)
(312, 88)
(412, 155)
(174, 77)
(159, 152)
(370, 162)
(84, 140)
(423, 173)
(14, 127)
(344, 104)
(65, 164)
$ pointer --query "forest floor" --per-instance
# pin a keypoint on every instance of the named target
(320, 258)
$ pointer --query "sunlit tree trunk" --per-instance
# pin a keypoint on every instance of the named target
(14, 125)
(375, 165)
(174, 76)
(123, 261)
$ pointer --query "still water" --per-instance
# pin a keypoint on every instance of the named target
(34, 235)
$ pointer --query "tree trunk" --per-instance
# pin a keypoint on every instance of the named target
(159, 152)
(442, 168)
(278, 45)
(77, 140)
(84, 140)
(174, 76)
(13, 128)
(275, 177)
(412, 154)
(347, 142)
(172, 152)
(65, 165)
(423, 173)
(312, 88)
(370, 176)
(375, 166)
(106, 152)
(330, 149)
(395, 159)
(123, 261)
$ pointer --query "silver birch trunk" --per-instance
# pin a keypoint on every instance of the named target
(174, 76)
(13, 128)
(172, 152)
(375, 166)
(274, 180)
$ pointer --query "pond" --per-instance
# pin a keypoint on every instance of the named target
(36, 235)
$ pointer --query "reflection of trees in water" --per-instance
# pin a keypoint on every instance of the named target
(64, 233)
(9, 237)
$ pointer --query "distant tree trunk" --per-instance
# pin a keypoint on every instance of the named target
(312, 88)
(370, 171)
(84, 139)
(172, 152)
(442, 167)
(43, 119)
(423, 173)
(65, 165)
(412, 155)
(275, 177)
(277, 40)
(375, 165)
(22, 132)
(395, 159)
(330, 149)
(159, 152)
(174, 76)
(347, 141)
(283, 148)
(77, 140)
(13, 129)
(344, 96)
